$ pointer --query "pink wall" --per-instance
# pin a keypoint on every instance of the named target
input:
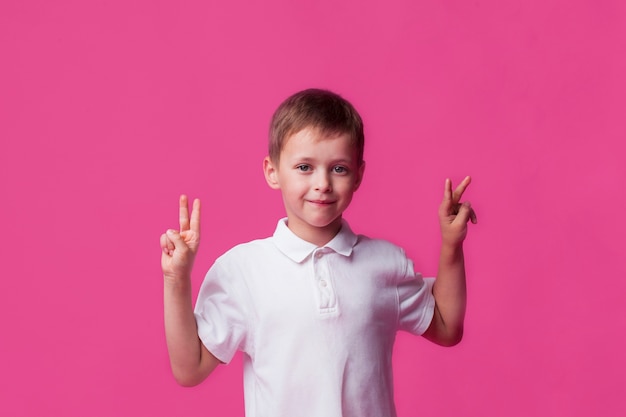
(109, 110)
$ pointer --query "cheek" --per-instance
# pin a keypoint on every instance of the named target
(296, 187)
(348, 186)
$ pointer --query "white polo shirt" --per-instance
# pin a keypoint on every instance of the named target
(316, 325)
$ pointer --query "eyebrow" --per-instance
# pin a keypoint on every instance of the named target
(308, 159)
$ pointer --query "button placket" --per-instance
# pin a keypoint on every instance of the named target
(325, 292)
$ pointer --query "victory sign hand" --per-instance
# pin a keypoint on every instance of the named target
(454, 215)
(180, 247)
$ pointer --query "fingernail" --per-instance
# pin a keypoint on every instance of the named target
(171, 232)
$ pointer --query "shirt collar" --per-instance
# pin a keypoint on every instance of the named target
(298, 249)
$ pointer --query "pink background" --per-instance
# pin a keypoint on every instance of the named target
(110, 109)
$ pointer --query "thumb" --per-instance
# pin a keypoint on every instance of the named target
(464, 213)
(176, 239)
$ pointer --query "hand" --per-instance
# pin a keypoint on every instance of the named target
(454, 215)
(180, 247)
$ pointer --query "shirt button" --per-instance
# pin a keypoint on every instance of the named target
(323, 283)
(318, 255)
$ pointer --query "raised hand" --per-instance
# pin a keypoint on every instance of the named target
(180, 247)
(454, 215)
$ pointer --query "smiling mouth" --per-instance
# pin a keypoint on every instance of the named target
(321, 202)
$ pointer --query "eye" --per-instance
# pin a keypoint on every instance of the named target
(338, 169)
(303, 168)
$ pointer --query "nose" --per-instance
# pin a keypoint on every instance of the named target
(322, 182)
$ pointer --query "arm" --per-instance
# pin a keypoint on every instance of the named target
(446, 328)
(191, 362)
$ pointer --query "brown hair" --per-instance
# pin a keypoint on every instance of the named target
(315, 108)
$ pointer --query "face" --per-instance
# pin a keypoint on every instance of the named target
(317, 175)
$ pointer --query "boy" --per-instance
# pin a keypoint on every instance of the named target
(314, 308)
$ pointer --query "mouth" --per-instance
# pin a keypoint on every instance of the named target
(321, 202)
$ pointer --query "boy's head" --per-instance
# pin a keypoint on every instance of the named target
(319, 110)
(316, 161)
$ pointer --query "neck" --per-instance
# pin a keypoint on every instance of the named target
(319, 236)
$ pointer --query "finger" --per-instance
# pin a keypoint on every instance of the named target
(460, 189)
(446, 204)
(195, 216)
(473, 218)
(183, 213)
(447, 190)
(166, 245)
(163, 241)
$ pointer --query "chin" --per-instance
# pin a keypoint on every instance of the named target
(324, 223)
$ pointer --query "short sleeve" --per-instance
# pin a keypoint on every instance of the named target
(416, 301)
(220, 313)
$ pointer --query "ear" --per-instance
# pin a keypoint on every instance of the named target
(271, 173)
(359, 176)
